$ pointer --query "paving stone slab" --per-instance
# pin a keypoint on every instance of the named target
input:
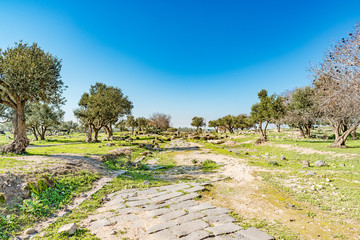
(183, 205)
(161, 226)
(222, 218)
(188, 227)
(166, 196)
(163, 235)
(99, 223)
(200, 207)
(197, 235)
(129, 210)
(216, 211)
(255, 234)
(138, 203)
(158, 212)
(185, 197)
(153, 206)
(189, 217)
(172, 215)
(224, 229)
(195, 189)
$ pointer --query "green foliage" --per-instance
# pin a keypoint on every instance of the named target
(2, 198)
(209, 165)
(198, 122)
(102, 106)
(46, 199)
(8, 225)
(41, 116)
(42, 71)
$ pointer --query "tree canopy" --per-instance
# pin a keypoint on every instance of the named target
(198, 122)
(27, 74)
(102, 107)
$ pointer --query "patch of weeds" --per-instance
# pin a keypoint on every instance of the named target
(209, 165)
(278, 230)
(273, 163)
(89, 206)
(310, 214)
(44, 201)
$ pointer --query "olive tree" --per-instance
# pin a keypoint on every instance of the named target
(337, 86)
(198, 122)
(131, 122)
(42, 116)
(102, 107)
(262, 113)
(27, 74)
(302, 110)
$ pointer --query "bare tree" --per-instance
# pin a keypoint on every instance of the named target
(160, 121)
(337, 86)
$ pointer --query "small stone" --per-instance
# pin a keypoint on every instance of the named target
(146, 182)
(113, 233)
(328, 180)
(282, 157)
(342, 165)
(310, 173)
(68, 228)
(30, 231)
(110, 144)
(305, 164)
(320, 163)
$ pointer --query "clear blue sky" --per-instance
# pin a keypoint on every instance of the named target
(183, 58)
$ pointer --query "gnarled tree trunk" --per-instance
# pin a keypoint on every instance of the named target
(302, 133)
(354, 135)
(109, 131)
(89, 134)
(20, 142)
(341, 135)
(34, 132)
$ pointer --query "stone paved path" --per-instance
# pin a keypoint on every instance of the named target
(166, 213)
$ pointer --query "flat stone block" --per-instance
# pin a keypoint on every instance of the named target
(172, 215)
(158, 212)
(200, 207)
(183, 205)
(189, 217)
(138, 203)
(222, 218)
(186, 197)
(161, 226)
(99, 223)
(163, 235)
(224, 229)
(188, 227)
(255, 234)
(198, 235)
(166, 196)
(216, 211)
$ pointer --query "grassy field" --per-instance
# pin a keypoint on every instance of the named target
(316, 193)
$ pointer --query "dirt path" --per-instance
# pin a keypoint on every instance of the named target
(249, 196)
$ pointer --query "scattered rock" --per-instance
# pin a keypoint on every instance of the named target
(320, 163)
(310, 173)
(68, 228)
(146, 182)
(305, 164)
(342, 165)
(110, 144)
(30, 231)
(282, 157)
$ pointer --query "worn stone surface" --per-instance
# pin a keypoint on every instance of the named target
(68, 228)
(255, 234)
(167, 212)
(188, 227)
(224, 229)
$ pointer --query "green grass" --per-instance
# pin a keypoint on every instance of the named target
(88, 207)
(7, 163)
(209, 165)
(43, 203)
